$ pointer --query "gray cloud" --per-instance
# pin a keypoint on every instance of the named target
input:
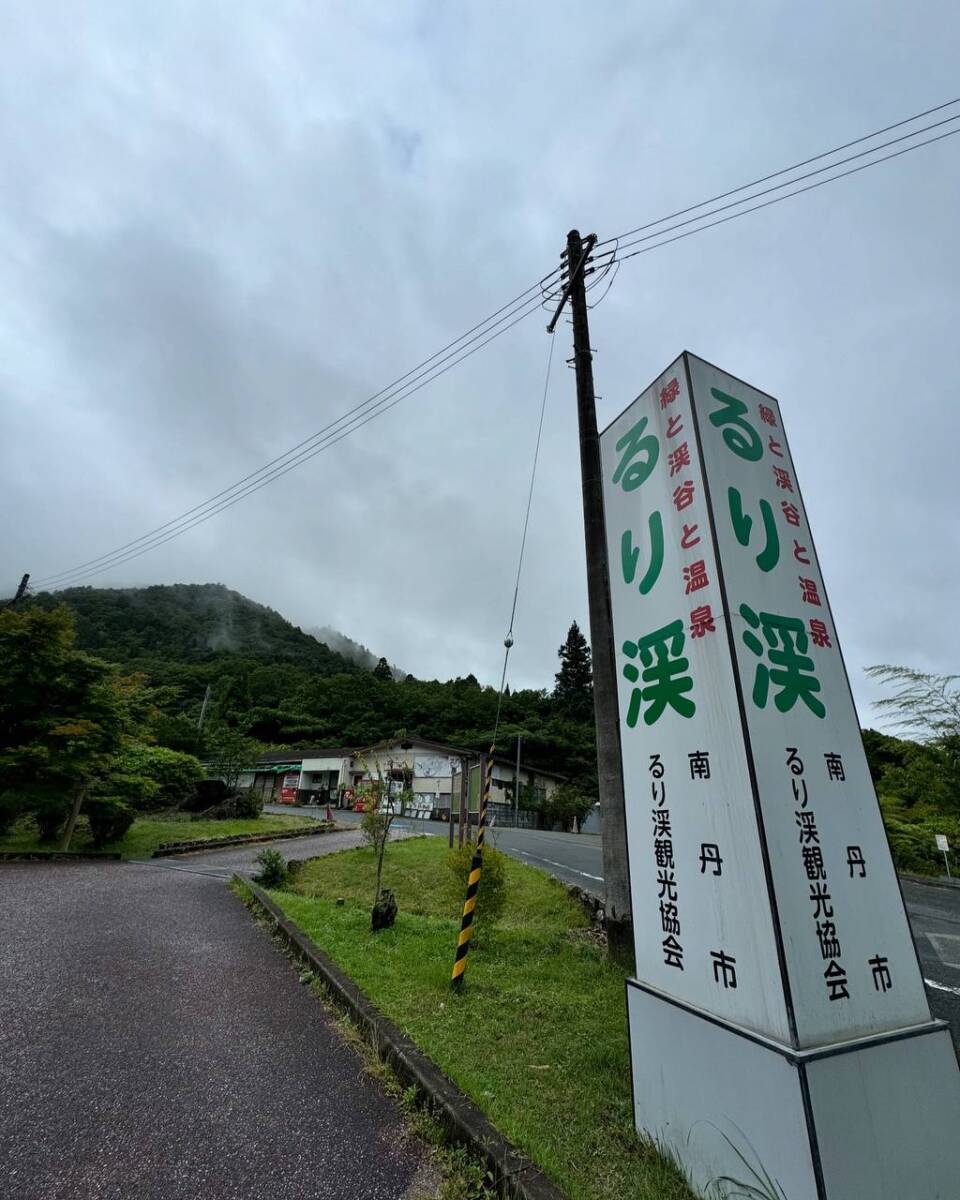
(218, 236)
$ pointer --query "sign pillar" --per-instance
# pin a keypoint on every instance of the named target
(779, 1025)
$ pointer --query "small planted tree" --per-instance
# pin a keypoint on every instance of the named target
(380, 808)
(229, 753)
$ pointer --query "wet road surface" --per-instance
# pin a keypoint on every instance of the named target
(155, 1046)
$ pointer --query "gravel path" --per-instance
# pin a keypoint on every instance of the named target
(155, 1046)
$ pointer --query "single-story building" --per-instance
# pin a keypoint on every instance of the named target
(430, 771)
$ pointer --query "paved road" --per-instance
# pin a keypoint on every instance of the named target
(154, 1046)
(934, 912)
(242, 860)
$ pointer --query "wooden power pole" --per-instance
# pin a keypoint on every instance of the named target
(21, 592)
(606, 713)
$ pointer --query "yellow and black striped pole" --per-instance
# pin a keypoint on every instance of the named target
(473, 883)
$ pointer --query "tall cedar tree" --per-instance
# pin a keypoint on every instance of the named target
(573, 693)
(382, 670)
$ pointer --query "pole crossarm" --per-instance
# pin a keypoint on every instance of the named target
(588, 244)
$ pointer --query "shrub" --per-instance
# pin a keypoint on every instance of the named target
(49, 810)
(137, 791)
(249, 804)
(273, 869)
(492, 894)
(206, 794)
(109, 819)
(170, 775)
(10, 808)
(565, 802)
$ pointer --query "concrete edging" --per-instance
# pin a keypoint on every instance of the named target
(24, 856)
(517, 1178)
(240, 839)
(939, 881)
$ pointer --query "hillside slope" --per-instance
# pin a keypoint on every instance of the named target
(188, 623)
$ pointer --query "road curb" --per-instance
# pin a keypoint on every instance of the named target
(195, 845)
(936, 881)
(61, 856)
(516, 1177)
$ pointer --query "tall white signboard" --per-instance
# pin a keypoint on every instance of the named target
(778, 1013)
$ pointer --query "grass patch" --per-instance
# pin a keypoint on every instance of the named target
(146, 833)
(538, 1039)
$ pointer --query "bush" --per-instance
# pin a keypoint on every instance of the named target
(206, 794)
(249, 804)
(565, 802)
(10, 808)
(50, 811)
(171, 776)
(136, 791)
(273, 869)
(492, 894)
(912, 833)
(109, 819)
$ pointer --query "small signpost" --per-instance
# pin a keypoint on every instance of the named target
(779, 1024)
(944, 847)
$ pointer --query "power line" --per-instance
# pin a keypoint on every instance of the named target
(135, 551)
(797, 179)
(487, 330)
(776, 199)
(786, 170)
(508, 640)
(304, 449)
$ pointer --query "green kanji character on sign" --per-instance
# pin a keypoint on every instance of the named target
(665, 675)
(630, 554)
(790, 669)
(741, 438)
(769, 556)
(633, 443)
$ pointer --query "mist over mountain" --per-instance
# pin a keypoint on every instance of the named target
(354, 651)
(189, 623)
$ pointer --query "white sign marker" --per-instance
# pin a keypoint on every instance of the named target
(765, 903)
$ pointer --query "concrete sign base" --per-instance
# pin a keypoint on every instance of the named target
(874, 1117)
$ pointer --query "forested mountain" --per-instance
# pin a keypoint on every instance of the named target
(190, 623)
(287, 689)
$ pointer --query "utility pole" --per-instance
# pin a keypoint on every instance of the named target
(203, 707)
(21, 592)
(516, 785)
(464, 799)
(606, 713)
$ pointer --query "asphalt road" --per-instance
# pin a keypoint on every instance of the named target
(934, 912)
(155, 1046)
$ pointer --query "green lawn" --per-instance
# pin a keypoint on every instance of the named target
(538, 1039)
(146, 833)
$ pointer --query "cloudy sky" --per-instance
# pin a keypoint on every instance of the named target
(223, 225)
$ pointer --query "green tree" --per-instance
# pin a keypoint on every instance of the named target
(382, 671)
(573, 693)
(171, 776)
(566, 802)
(229, 753)
(63, 714)
(927, 705)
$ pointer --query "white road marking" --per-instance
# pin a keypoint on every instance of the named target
(947, 947)
(942, 987)
(563, 866)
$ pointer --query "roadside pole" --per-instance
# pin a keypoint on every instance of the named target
(516, 785)
(944, 847)
(464, 799)
(606, 712)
